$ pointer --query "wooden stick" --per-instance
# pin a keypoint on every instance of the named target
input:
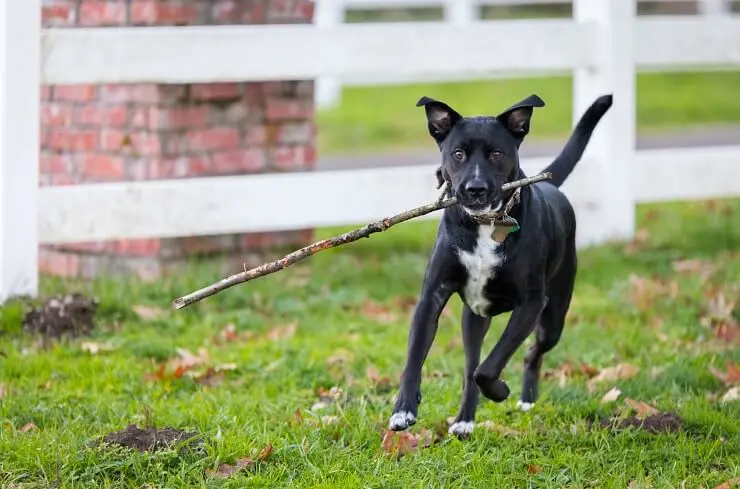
(363, 232)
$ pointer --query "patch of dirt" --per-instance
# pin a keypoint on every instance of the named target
(657, 423)
(149, 439)
(70, 315)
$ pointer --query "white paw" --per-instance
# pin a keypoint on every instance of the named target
(461, 428)
(524, 406)
(401, 420)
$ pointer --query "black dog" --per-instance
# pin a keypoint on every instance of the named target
(530, 271)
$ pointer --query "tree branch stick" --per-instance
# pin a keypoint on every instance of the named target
(363, 232)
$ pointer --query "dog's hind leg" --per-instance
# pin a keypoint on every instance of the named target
(548, 331)
(474, 329)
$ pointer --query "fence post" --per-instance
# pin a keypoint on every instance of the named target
(328, 14)
(612, 147)
(20, 66)
(461, 12)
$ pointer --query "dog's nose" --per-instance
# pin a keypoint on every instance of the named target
(476, 188)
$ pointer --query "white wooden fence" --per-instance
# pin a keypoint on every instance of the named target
(330, 13)
(603, 44)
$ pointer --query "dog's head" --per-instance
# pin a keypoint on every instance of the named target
(479, 154)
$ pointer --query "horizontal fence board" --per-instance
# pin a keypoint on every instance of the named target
(280, 201)
(237, 53)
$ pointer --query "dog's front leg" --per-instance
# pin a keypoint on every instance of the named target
(522, 322)
(424, 324)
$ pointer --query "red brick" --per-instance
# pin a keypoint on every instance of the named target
(255, 135)
(58, 263)
(45, 92)
(178, 117)
(221, 138)
(102, 12)
(72, 140)
(225, 12)
(280, 109)
(53, 163)
(289, 11)
(209, 92)
(143, 93)
(60, 179)
(135, 247)
(75, 93)
(95, 115)
(91, 247)
(57, 13)
(291, 133)
(53, 114)
(163, 12)
(293, 157)
(130, 143)
(238, 162)
(101, 166)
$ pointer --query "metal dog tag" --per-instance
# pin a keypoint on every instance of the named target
(502, 229)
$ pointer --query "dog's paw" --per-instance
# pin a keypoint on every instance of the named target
(524, 406)
(494, 389)
(461, 429)
(401, 420)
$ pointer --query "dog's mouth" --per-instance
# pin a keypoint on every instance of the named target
(475, 209)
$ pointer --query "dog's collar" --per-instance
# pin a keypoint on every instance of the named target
(501, 222)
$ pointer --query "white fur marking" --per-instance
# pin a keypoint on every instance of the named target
(477, 171)
(401, 420)
(524, 406)
(479, 264)
(461, 428)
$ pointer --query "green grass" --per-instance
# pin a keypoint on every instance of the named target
(74, 397)
(380, 118)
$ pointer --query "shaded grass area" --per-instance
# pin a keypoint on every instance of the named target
(350, 308)
(379, 118)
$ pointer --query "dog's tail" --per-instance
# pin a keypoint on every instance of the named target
(573, 150)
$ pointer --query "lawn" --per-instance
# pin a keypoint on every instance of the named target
(340, 320)
(381, 118)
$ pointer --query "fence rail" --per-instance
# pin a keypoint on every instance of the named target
(602, 45)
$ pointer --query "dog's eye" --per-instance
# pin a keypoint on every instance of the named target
(496, 154)
(458, 154)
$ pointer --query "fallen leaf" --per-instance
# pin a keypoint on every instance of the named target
(228, 333)
(611, 396)
(330, 420)
(148, 312)
(693, 267)
(497, 428)
(282, 332)
(225, 470)
(533, 469)
(327, 397)
(340, 356)
(611, 374)
(210, 378)
(3, 391)
(399, 443)
(378, 312)
(380, 384)
(731, 377)
(265, 453)
(644, 291)
(731, 395)
(562, 373)
(588, 370)
(28, 427)
(642, 409)
(730, 484)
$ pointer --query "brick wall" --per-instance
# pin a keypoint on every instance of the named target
(110, 133)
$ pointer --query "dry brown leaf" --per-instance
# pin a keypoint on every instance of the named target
(588, 370)
(225, 470)
(340, 356)
(497, 428)
(731, 377)
(611, 374)
(533, 469)
(265, 453)
(399, 443)
(730, 484)
(378, 382)
(644, 291)
(211, 377)
(731, 395)
(28, 427)
(562, 373)
(695, 267)
(282, 332)
(611, 396)
(148, 312)
(228, 333)
(643, 409)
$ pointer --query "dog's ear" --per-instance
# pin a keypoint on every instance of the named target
(441, 118)
(516, 118)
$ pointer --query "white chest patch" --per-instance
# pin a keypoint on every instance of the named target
(479, 264)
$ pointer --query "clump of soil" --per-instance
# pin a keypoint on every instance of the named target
(657, 423)
(70, 315)
(149, 439)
